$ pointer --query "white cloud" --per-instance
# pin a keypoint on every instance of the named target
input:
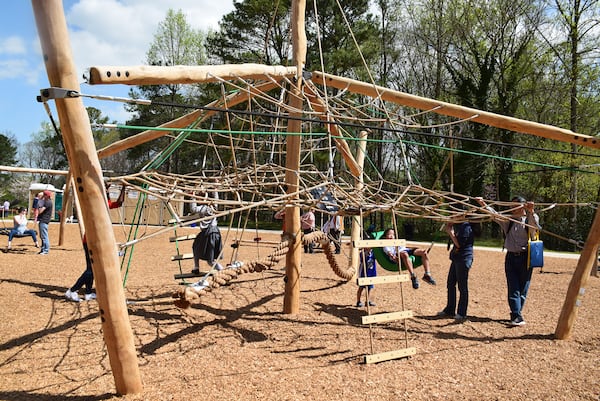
(112, 32)
(12, 45)
(17, 69)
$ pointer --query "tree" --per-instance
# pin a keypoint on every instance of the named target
(103, 137)
(46, 151)
(175, 43)
(8, 157)
(259, 31)
(578, 22)
(256, 31)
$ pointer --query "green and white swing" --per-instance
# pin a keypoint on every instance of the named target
(386, 263)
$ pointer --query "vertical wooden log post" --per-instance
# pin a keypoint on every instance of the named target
(63, 217)
(357, 221)
(80, 221)
(293, 259)
(576, 288)
(85, 166)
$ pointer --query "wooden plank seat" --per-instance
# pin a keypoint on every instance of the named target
(6, 231)
(183, 256)
(182, 238)
(189, 275)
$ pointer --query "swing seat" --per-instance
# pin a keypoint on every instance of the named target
(386, 263)
(6, 231)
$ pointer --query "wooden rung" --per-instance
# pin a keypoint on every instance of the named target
(182, 238)
(378, 243)
(386, 356)
(183, 256)
(184, 218)
(394, 278)
(249, 241)
(188, 275)
(387, 317)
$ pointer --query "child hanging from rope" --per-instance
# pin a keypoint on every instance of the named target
(207, 244)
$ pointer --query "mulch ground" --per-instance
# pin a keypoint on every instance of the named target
(236, 344)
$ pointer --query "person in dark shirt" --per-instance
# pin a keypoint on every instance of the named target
(45, 207)
(461, 255)
(87, 277)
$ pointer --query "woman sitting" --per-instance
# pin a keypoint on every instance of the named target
(20, 228)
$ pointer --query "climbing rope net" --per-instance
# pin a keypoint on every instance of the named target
(243, 161)
(241, 166)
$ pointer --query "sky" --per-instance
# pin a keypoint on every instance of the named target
(102, 32)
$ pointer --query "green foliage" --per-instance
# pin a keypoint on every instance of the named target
(494, 56)
(8, 149)
(259, 31)
(8, 157)
(256, 31)
(175, 43)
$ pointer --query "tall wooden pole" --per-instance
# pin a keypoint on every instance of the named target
(291, 300)
(85, 166)
(66, 203)
(357, 221)
(185, 120)
(453, 110)
(576, 288)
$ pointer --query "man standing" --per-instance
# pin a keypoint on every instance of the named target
(461, 255)
(5, 208)
(335, 228)
(44, 216)
(516, 236)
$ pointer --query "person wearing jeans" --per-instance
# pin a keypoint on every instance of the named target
(517, 230)
(44, 216)
(461, 255)
(20, 228)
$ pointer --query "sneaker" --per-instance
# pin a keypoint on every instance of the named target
(443, 313)
(42, 253)
(72, 296)
(428, 279)
(200, 285)
(415, 282)
(235, 265)
(372, 303)
(218, 267)
(459, 317)
(89, 297)
(359, 304)
(196, 271)
(518, 321)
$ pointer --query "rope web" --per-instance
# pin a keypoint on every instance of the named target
(243, 163)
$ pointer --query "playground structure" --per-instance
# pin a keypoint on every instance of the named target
(257, 183)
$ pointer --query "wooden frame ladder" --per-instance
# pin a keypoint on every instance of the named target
(403, 314)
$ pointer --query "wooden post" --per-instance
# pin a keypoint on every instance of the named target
(185, 120)
(319, 105)
(357, 221)
(453, 110)
(85, 166)
(65, 206)
(576, 288)
(185, 74)
(291, 299)
(80, 221)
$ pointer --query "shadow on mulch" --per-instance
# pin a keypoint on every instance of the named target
(30, 396)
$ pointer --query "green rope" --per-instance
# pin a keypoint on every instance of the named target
(350, 138)
(155, 163)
